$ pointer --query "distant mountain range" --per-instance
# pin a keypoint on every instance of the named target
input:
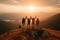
(18, 16)
(12, 16)
(9, 16)
(52, 22)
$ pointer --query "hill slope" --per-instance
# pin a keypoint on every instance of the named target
(52, 22)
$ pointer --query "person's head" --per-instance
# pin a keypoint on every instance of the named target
(37, 18)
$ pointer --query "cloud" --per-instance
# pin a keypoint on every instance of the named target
(9, 2)
(20, 9)
(15, 5)
(25, 2)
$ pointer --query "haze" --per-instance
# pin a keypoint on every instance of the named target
(30, 7)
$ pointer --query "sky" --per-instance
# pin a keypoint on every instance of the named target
(22, 5)
(30, 6)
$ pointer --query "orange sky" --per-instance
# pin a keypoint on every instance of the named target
(30, 7)
(18, 6)
(27, 9)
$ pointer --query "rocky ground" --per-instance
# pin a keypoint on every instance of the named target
(31, 34)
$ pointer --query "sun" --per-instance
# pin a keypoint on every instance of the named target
(31, 8)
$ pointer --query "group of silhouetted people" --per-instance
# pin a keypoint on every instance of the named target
(33, 19)
(39, 33)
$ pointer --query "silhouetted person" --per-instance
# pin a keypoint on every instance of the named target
(37, 21)
(33, 20)
(28, 20)
(23, 21)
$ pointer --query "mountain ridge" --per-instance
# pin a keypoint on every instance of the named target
(52, 22)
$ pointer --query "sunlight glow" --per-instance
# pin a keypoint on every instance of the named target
(26, 9)
(31, 8)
